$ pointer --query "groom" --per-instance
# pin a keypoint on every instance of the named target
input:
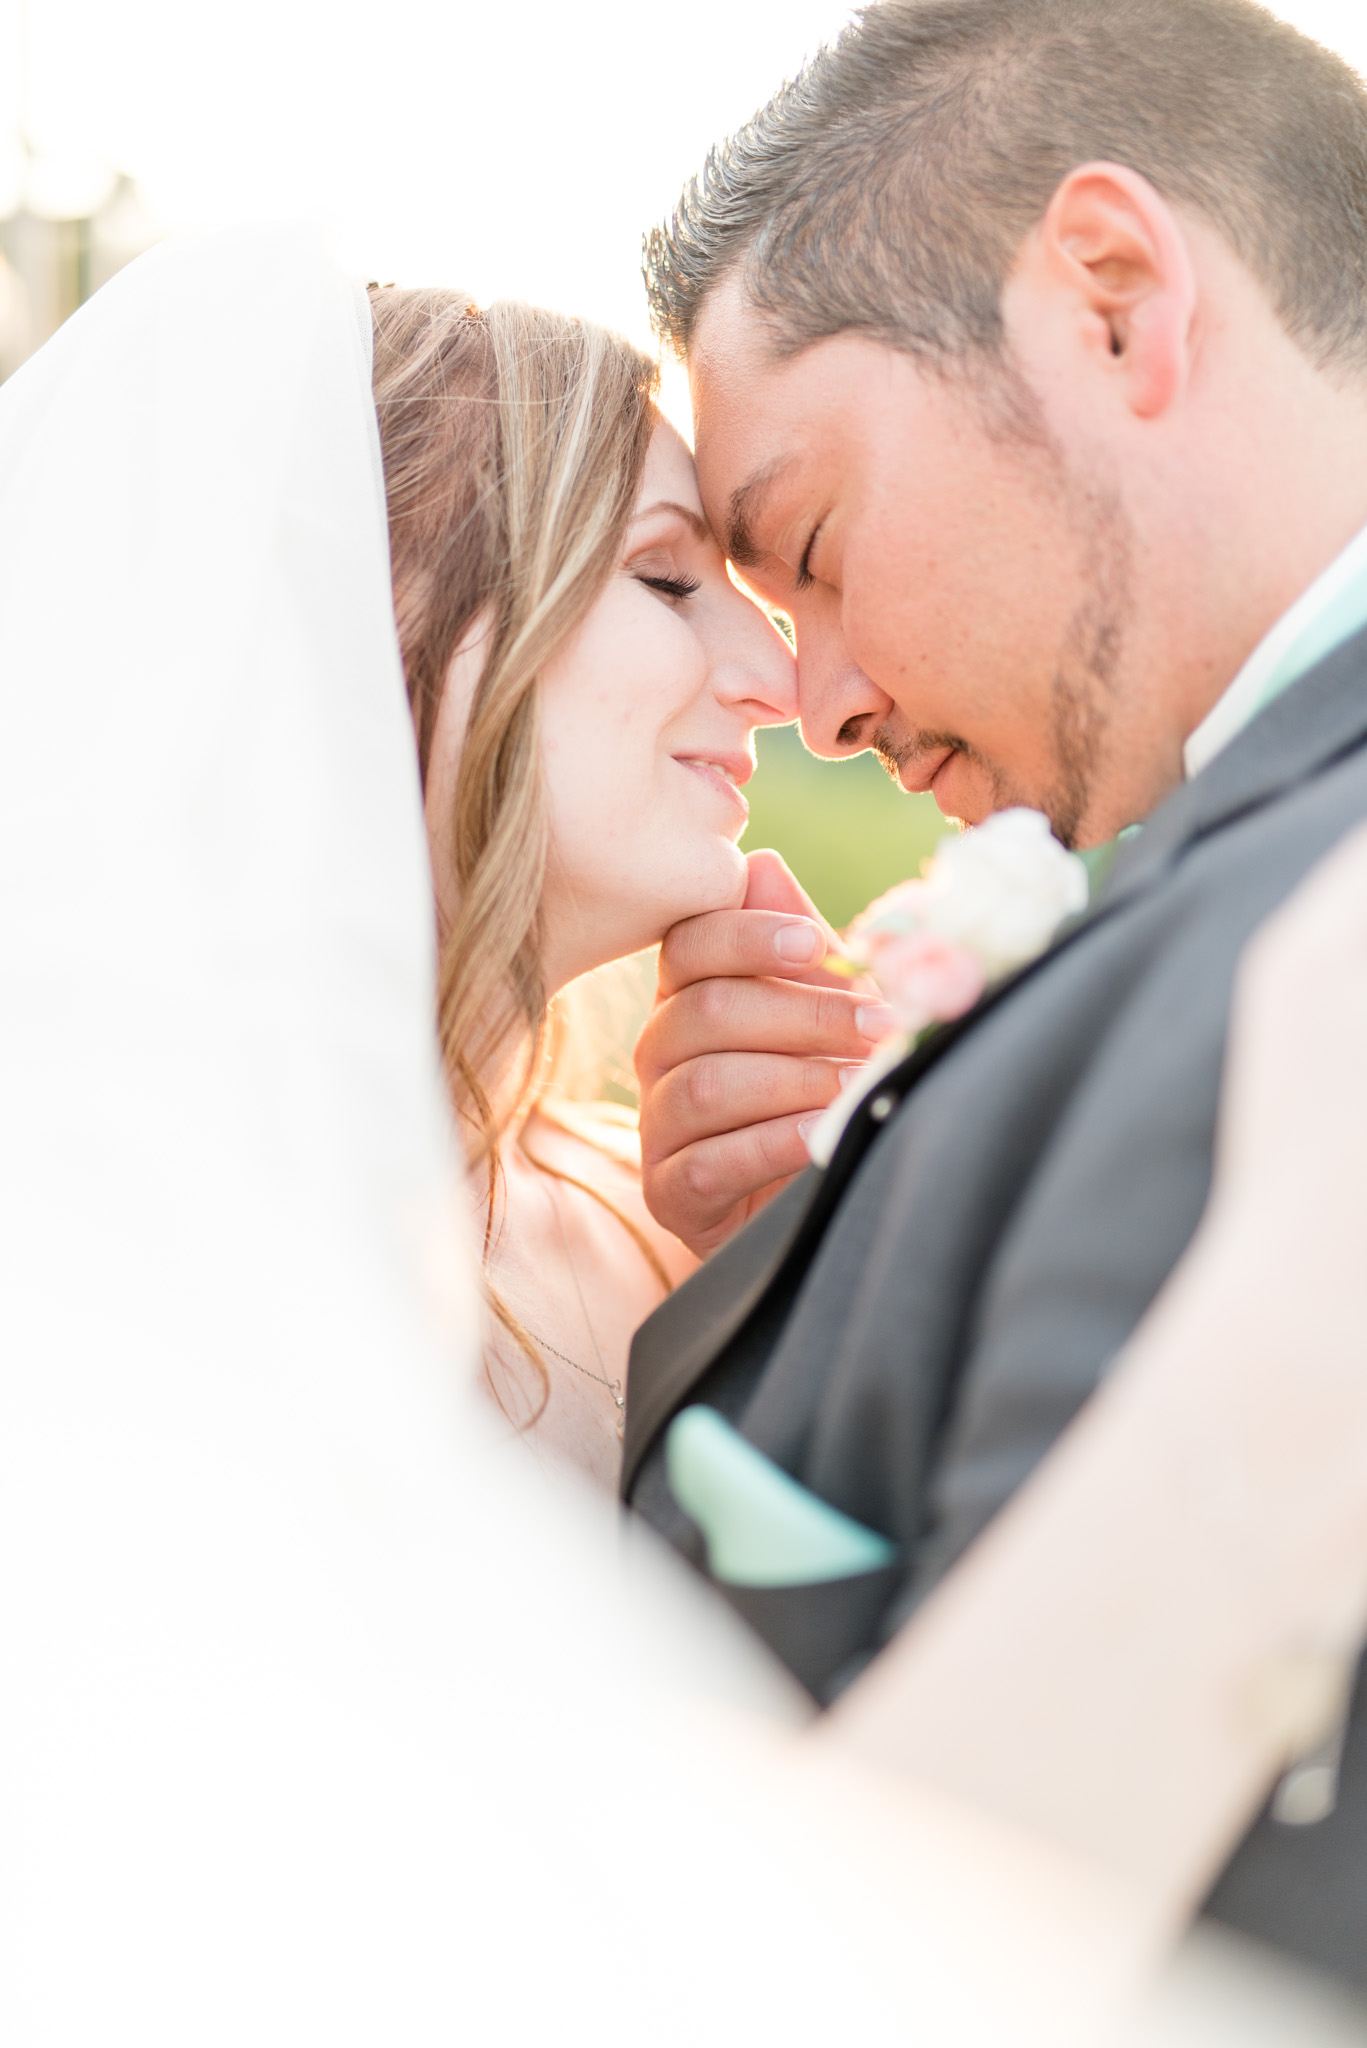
(1028, 349)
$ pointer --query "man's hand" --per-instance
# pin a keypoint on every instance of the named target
(746, 1045)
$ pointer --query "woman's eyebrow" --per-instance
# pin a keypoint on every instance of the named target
(689, 517)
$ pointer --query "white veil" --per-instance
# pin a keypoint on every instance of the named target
(317, 1723)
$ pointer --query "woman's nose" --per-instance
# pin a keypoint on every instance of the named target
(754, 665)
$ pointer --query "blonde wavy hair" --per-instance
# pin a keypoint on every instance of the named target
(514, 442)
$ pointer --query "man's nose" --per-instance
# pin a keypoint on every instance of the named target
(841, 707)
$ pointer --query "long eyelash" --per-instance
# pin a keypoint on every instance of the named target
(804, 578)
(672, 586)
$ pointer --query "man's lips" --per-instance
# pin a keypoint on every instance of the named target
(963, 789)
(940, 772)
(918, 772)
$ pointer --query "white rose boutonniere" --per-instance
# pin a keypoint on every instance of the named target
(991, 899)
(1000, 891)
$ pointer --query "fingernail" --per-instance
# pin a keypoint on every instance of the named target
(874, 1021)
(799, 943)
(807, 1126)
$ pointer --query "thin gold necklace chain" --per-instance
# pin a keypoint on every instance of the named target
(614, 1386)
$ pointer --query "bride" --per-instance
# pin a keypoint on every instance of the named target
(585, 680)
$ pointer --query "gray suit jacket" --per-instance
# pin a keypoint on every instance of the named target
(909, 1331)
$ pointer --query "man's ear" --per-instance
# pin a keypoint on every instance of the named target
(1112, 246)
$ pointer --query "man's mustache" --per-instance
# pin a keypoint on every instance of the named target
(898, 750)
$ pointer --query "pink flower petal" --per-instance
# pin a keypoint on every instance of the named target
(926, 979)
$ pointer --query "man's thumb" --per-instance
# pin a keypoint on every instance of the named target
(774, 886)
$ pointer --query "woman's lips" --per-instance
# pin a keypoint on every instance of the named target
(723, 773)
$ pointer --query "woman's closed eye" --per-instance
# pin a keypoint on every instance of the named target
(675, 588)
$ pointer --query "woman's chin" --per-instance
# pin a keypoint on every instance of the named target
(723, 886)
(715, 878)
(739, 881)
(617, 927)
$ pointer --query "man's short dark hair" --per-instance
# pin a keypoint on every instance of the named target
(887, 189)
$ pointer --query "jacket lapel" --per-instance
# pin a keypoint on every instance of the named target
(1299, 735)
(676, 1345)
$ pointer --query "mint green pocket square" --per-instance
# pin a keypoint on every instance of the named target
(761, 1527)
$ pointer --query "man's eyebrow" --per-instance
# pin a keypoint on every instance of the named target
(685, 512)
(746, 504)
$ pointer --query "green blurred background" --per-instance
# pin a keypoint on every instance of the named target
(844, 827)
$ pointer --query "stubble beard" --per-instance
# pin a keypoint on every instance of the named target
(1082, 698)
(1082, 694)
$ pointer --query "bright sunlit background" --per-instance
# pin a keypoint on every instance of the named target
(512, 149)
(515, 149)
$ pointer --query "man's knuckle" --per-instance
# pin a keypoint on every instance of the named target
(704, 1082)
(667, 1202)
(697, 1179)
(713, 1004)
(655, 1135)
(650, 1062)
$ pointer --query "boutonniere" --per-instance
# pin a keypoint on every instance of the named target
(990, 900)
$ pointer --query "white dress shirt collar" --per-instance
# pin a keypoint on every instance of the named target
(1334, 606)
